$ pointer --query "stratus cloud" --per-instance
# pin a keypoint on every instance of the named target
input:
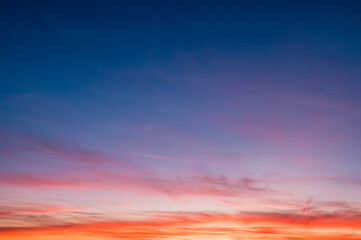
(140, 181)
(114, 173)
(171, 225)
(35, 209)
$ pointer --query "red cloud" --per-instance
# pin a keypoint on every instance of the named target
(250, 225)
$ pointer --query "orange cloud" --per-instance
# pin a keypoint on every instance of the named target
(179, 225)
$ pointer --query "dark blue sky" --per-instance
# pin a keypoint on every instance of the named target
(60, 45)
(175, 63)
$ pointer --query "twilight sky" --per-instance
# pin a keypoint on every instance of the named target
(180, 120)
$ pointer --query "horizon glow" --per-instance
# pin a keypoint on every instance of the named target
(169, 120)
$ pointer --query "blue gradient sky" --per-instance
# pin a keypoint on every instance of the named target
(130, 109)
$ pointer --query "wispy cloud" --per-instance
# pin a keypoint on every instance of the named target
(196, 184)
(69, 151)
(159, 157)
(35, 209)
(114, 172)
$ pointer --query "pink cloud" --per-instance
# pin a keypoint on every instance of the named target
(36, 209)
(140, 181)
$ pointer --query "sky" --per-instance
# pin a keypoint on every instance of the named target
(180, 120)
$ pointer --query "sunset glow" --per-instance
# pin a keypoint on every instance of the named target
(180, 120)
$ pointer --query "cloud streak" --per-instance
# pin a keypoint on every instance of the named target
(199, 184)
(251, 225)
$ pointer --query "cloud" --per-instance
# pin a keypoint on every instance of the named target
(113, 173)
(351, 179)
(66, 150)
(69, 151)
(197, 184)
(309, 205)
(35, 209)
(242, 153)
(210, 225)
(32, 180)
(159, 157)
